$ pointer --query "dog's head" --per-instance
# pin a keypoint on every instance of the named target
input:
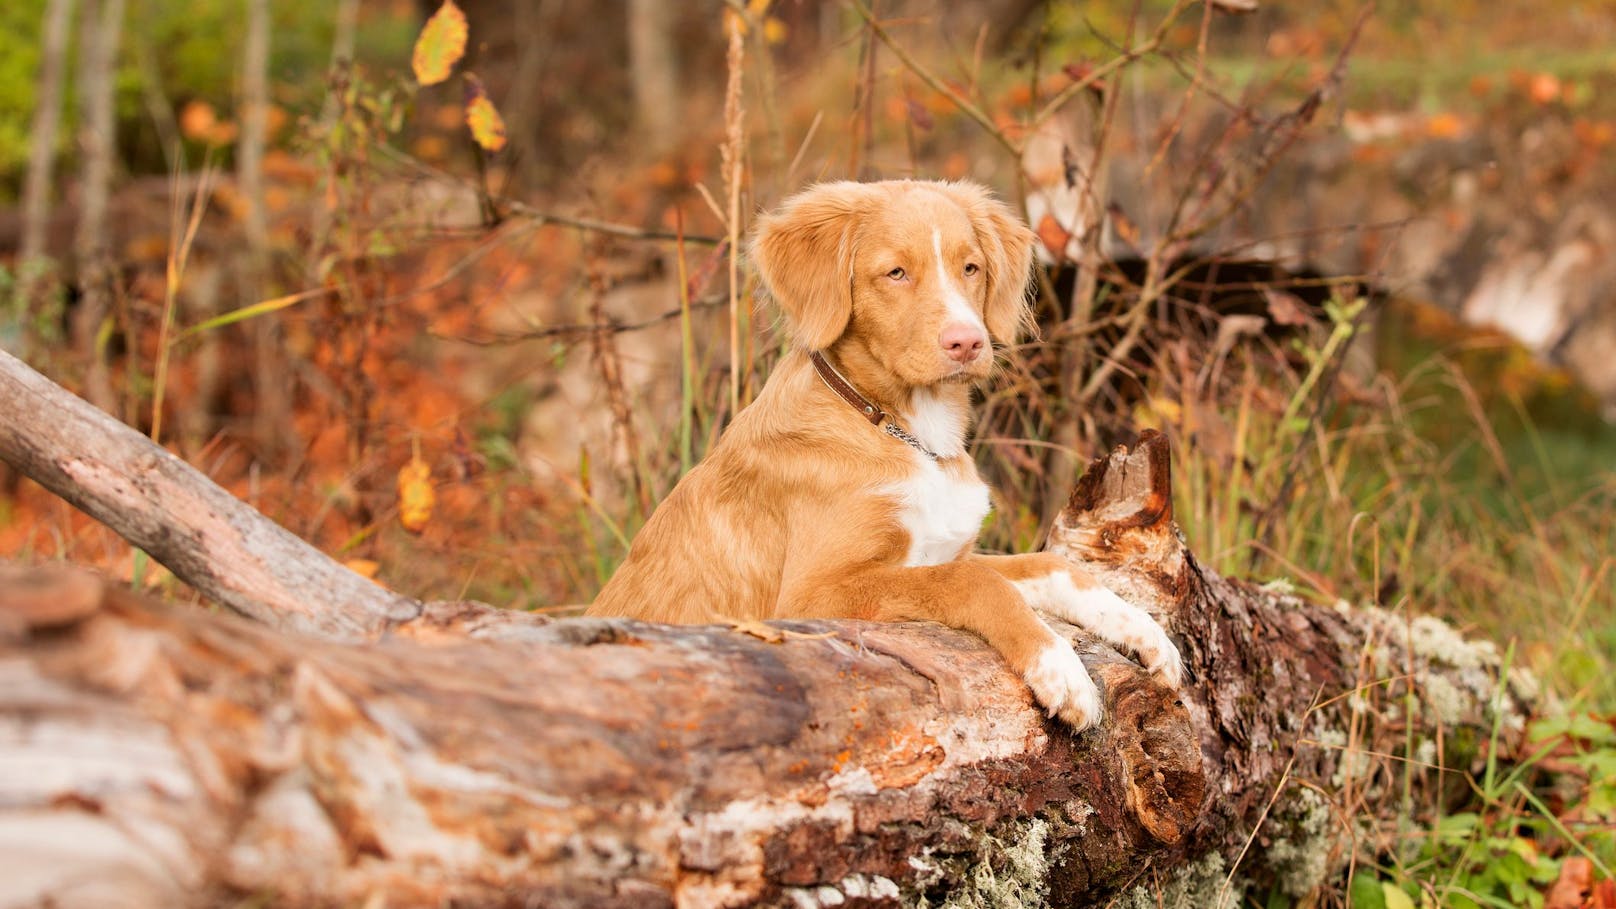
(923, 275)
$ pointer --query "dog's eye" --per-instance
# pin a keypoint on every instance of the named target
(971, 269)
(896, 274)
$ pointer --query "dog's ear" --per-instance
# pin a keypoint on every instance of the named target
(804, 253)
(1007, 242)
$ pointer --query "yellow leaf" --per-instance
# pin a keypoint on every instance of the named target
(441, 45)
(487, 126)
(1167, 409)
(415, 495)
(1395, 897)
(249, 312)
(774, 31)
(365, 568)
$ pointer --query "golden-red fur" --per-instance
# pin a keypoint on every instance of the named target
(804, 509)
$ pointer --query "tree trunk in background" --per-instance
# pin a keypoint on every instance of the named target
(342, 52)
(477, 756)
(654, 68)
(271, 374)
(37, 185)
(523, 103)
(102, 25)
(337, 76)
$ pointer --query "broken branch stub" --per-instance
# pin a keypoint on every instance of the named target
(1119, 524)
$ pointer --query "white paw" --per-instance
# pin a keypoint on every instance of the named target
(1111, 617)
(1060, 683)
(1162, 659)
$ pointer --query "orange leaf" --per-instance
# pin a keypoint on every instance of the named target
(1444, 126)
(441, 45)
(774, 31)
(1053, 236)
(415, 495)
(1544, 88)
(197, 120)
(1571, 889)
(487, 126)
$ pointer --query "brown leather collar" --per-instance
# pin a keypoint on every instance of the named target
(871, 411)
(834, 381)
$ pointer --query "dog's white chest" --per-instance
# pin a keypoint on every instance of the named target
(943, 514)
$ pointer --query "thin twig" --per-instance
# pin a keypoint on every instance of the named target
(1281, 134)
(491, 240)
(580, 330)
(1176, 125)
(1223, 892)
(1099, 73)
(609, 362)
(179, 254)
(732, 153)
(514, 207)
(530, 213)
(960, 101)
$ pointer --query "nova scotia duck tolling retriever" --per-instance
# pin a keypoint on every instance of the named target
(845, 489)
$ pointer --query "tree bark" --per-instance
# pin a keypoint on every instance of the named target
(272, 382)
(102, 26)
(163, 756)
(654, 71)
(42, 147)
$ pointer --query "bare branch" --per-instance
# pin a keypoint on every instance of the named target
(935, 84)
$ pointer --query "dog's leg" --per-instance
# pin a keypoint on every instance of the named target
(972, 597)
(1053, 585)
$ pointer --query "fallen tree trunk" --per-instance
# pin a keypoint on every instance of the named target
(210, 539)
(161, 756)
(583, 762)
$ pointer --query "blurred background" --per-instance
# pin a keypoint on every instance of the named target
(1359, 265)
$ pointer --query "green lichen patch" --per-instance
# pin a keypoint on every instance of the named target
(1008, 869)
(1299, 857)
(1202, 884)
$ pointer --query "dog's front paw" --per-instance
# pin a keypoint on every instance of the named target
(1060, 683)
(1161, 657)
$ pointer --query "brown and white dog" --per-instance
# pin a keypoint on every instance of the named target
(845, 490)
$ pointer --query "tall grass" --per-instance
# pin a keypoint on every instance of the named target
(1468, 482)
(1414, 494)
